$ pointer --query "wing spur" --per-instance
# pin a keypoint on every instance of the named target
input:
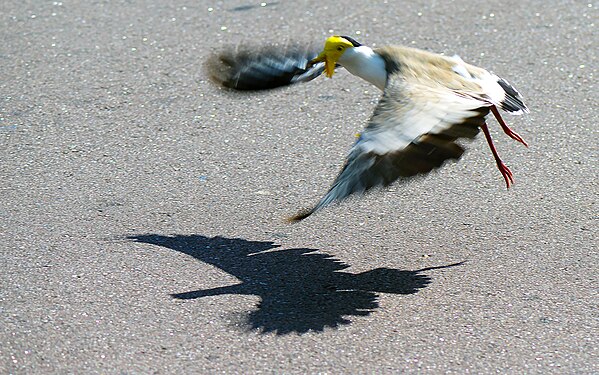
(413, 130)
(263, 68)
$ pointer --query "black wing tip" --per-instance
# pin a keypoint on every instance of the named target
(217, 69)
(235, 73)
(259, 68)
(222, 67)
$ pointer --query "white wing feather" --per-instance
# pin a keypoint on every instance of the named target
(411, 132)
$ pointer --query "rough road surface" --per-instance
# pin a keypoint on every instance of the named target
(142, 208)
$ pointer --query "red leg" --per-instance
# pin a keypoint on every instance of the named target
(505, 171)
(512, 134)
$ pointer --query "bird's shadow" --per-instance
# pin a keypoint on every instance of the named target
(301, 290)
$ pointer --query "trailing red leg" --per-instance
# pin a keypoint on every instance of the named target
(505, 171)
(512, 134)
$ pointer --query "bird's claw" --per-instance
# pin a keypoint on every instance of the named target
(506, 129)
(513, 135)
(507, 174)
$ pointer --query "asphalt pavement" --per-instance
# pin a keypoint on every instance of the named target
(142, 208)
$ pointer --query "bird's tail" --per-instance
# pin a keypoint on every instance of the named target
(513, 101)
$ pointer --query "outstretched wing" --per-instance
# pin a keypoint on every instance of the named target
(413, 130)
(263, 68)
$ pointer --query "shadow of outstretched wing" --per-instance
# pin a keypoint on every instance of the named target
(300, 289)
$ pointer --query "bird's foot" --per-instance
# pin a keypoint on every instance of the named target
(506, 129)
(505, 171)
(512, 134)
(507, 174)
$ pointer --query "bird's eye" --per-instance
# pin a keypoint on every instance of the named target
(340, 48)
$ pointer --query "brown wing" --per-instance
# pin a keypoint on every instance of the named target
(412, 131)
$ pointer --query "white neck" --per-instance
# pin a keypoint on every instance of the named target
(364, 63)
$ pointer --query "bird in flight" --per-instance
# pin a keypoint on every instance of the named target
(428, 103)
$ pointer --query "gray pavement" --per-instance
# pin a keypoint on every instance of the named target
(142, 208)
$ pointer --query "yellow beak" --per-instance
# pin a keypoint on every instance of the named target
(329, 63)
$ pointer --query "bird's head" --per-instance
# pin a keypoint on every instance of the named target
(334, 47)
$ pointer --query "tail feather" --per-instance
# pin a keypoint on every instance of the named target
(513, 101)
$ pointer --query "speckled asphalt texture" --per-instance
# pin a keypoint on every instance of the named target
(142, 207)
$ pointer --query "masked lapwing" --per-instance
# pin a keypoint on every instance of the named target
(429, 102)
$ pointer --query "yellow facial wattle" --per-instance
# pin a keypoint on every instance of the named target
(334, 47)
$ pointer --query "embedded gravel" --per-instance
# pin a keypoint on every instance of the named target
(142, 207)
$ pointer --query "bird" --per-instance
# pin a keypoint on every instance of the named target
(428, 103)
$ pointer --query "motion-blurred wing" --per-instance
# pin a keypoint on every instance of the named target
(412, 131)
(263, 68)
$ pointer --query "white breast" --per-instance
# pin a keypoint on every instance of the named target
(365, 63)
